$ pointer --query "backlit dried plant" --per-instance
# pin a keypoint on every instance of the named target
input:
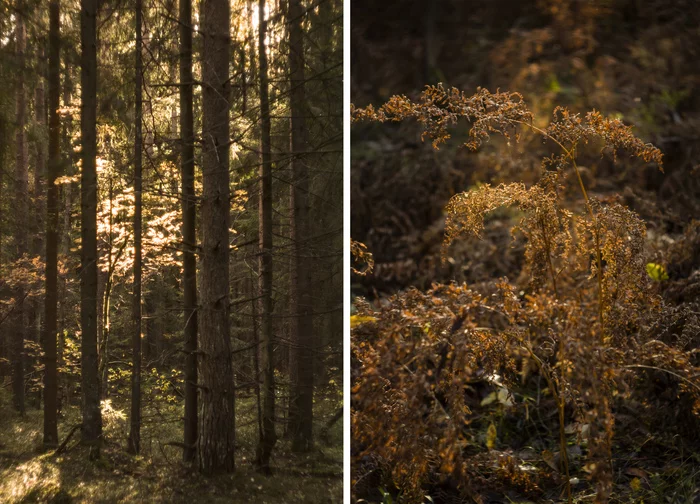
(587, 322)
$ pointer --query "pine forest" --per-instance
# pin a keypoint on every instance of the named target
(171, 250)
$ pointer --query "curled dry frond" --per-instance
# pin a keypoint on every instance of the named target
(545, 224)
(569, 130)
(439, 108)
(361, 255)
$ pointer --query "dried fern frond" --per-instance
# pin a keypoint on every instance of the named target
(587, 339)
(361, 255)
(545, 225)
(466, 211)
(440, 108)
(569, 130)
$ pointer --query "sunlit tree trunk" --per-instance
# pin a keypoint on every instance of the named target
(301, 351)
(92, 419)
(269, 436)
(189, 236)
(51, 300)
(135, 418)
(251, 68)
(217, 429)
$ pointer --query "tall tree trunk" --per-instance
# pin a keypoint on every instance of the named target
(66, 190)
(301, 351)
(256, 351)
(106, 325)
(21, 207)
(249, 75)
(217, 433)
(92, 419)
(38, 211)
(40, 164)
(3, 150)
(4, 343)
(269, 436)
(135, 424)
(189, 235)
(66, 193)
(51, 301)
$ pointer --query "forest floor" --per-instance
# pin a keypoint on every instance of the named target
(157, 475)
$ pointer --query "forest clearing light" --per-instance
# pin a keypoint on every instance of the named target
(256, 20)
(235, 149)
(6, 40)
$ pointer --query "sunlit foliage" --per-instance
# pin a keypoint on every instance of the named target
(588, 324)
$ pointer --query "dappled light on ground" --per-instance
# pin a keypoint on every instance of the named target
(157, 476)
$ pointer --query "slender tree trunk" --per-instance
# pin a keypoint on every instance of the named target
(3, 149)
(66, 194)
(38, 211)
(20, 212)
(189, 235)
(66, 190)
(103, 346)
(217, 434)
(135, 425)
(256, 352)
(269, 436)
(4, 344)
(40, 165)
(51, 302)
(92, 419)
(301, 351)
(250, 71)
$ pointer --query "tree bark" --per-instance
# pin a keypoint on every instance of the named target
(269, 436)
(135, 418)
(40, 164)
(92, 419)
(21, 206)
(217, 433)
(51, 302)
(189, 235)
(301, 350)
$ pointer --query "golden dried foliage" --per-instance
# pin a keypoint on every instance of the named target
(362, 257)
(438, 109)
(589, 323)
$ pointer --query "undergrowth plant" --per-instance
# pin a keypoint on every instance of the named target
(586, 323)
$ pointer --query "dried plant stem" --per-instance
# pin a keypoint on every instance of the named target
(655, 368)
(564, 455)
(599, 255)
(549, 256)
(571, 154)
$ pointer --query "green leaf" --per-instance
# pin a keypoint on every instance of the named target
(657, 272)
